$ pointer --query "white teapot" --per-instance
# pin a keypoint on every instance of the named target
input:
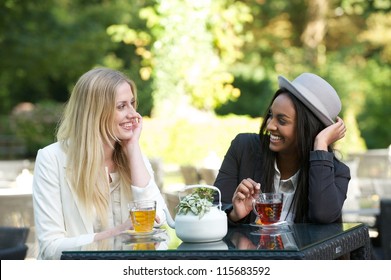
(211, 226)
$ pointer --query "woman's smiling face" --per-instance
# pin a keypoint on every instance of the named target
(281, 124)
(125, 115)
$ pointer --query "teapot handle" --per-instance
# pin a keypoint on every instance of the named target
(205, 186)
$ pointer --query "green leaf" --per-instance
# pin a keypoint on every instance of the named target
(198, 202)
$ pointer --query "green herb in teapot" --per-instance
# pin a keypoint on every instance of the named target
(198, 202)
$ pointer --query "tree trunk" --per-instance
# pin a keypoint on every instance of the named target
(315, 31)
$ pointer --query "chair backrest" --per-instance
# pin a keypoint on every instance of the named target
(13, 243)
(190, 174)
(385, 227)
(158, 171)
(208, 175)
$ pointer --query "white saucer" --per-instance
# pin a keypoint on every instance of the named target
(132, 232)
(271, 226)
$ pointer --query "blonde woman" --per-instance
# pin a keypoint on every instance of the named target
(83, 182)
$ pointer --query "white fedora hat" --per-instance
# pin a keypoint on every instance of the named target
(316, 94)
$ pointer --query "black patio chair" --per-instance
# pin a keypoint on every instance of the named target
(385, 227)
(13, 243)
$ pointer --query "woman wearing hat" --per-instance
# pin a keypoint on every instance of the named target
(292, 154)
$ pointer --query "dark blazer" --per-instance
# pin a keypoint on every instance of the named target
(328, 178)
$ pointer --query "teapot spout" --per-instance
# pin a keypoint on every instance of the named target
(170, 221)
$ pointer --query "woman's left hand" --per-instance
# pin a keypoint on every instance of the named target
(330, 135)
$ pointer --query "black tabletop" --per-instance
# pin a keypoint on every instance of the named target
(293, 241)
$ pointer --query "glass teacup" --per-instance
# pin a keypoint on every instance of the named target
(142, 214)
(268, 208)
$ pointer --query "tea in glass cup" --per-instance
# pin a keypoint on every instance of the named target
(142, 213)
(268, 207)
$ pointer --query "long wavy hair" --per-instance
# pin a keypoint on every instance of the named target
(86, 126)
(308, 126)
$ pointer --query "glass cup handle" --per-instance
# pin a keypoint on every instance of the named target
(254, 209)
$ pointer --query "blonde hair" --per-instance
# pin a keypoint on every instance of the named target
(86, 126)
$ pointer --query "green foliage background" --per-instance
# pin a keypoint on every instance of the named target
(186, 141)
(206, 57)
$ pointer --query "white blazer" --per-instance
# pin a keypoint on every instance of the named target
(61, 221)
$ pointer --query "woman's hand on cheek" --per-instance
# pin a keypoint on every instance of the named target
(330, 135)
(137, 127)
(130, 143)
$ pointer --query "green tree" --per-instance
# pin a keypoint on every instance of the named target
(221, 54)
(375, 117)
(188, 51)
(46, 45)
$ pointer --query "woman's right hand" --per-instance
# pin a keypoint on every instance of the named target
(114, 231)
(243, 197)
(124, 226)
